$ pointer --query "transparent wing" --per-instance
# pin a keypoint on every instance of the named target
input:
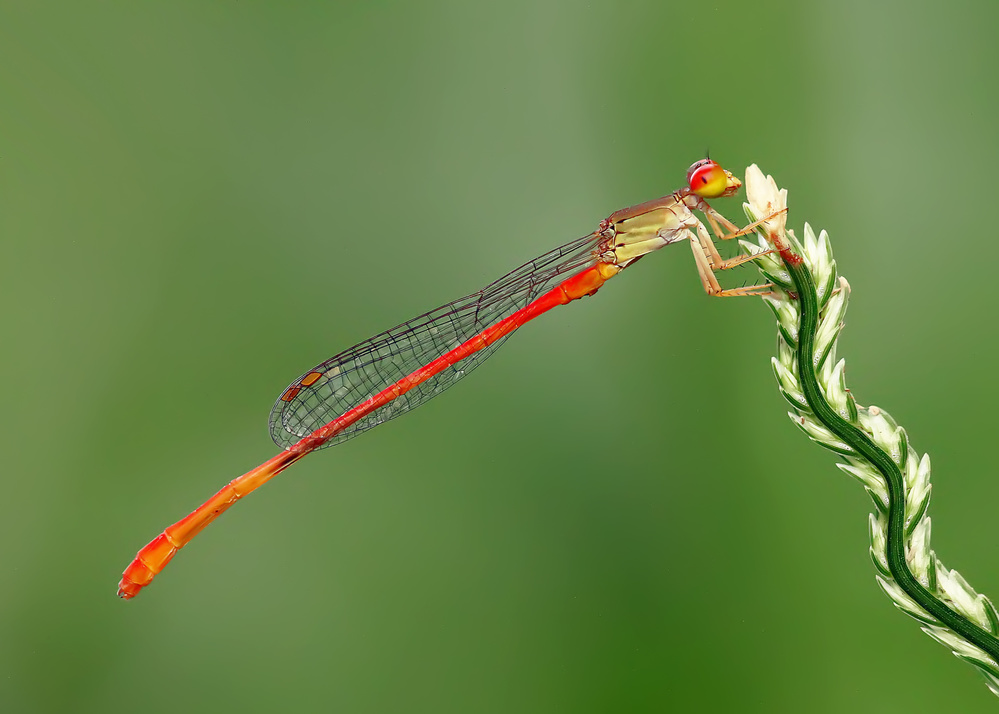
(327, 391)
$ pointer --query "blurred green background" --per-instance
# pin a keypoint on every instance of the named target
(199, 201)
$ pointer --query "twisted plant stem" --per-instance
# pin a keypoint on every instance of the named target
(809, 311)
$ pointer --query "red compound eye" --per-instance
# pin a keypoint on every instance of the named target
(706, 178)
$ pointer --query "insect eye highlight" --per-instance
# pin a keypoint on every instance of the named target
(706, 178)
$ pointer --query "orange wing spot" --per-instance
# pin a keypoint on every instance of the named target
(311, 378)
(290, 394)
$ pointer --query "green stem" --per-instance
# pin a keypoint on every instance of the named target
(862, 443)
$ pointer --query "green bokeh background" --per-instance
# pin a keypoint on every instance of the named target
(198, 201)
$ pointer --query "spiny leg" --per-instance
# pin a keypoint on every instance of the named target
(714, 258)
(707, 260)
(714, 218)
